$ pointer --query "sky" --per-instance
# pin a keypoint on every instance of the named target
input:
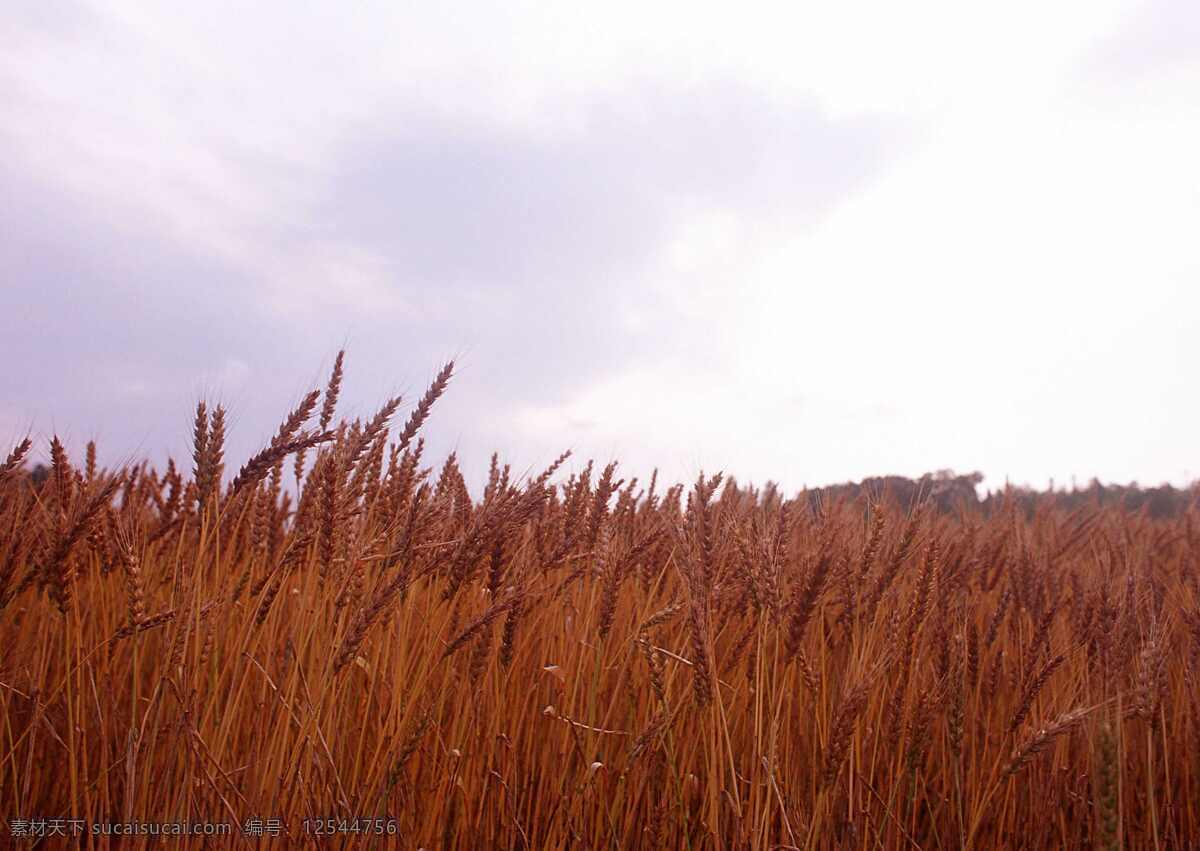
(806, 243)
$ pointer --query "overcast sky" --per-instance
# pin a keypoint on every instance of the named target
(808, 246)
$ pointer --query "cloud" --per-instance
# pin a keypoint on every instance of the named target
(549, 260)
(546, 250)
(767, 242)
(117, 331)
(1158, 36)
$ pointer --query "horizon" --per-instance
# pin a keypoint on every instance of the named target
(36, 461)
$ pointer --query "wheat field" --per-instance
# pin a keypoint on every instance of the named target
(340, 644)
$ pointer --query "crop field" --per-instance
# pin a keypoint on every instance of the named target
(336, 643)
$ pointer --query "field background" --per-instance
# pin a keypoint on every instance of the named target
(343, 630)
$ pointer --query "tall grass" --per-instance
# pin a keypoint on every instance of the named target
(583, 662)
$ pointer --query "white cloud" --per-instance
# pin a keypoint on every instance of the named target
(1010, 286)
(1017, 296)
